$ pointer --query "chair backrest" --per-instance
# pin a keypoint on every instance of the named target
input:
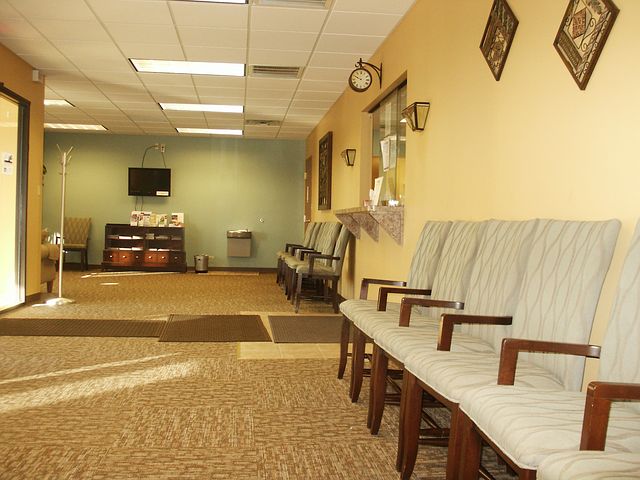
(451, 280)
(310, 234)
(620, 360)
(561, 288)
(340, 249)
(427, 254)
(327, 237)
(497, 275)
(76, 230)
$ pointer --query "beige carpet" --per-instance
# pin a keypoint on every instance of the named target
(306, 328)
(214, 328)
(76, 327)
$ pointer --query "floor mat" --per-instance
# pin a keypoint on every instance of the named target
(306, 328)
(214, 328)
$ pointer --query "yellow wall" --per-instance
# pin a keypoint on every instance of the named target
(530, 145)
(16, 76)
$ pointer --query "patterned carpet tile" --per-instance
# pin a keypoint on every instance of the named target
(20, 462)
(189, 428)
(178, 464)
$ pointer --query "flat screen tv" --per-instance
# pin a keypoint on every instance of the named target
(149, 182)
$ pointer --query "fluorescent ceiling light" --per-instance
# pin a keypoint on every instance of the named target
(202, 107)
(73, 126)
(193, 68)
(56, 103)
(210, 131)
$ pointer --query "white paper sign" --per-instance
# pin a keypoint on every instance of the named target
(7, 163)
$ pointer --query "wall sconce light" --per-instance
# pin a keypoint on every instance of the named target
(349, 156)
(416, 115)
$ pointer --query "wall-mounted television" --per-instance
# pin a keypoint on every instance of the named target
(149, 182)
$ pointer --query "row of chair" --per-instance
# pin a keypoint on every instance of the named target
(537, 281)
(315, 265)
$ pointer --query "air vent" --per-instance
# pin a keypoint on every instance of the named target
(262, 123)
(294, 3)
(274, 71)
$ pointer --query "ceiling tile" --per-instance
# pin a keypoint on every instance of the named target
(331, 74)
(7, 12)
(345, 61)
(272, 83)
(322, 86)
(79, 31)
(17, 28)
(220, 37)
(319, 104)
(377, 24)
(139, 33)
(322, 96)
(357, 44)
(301, 111)
(267, 102)
(154, 51)
(219, 82)
(110, 88)
(209, 15)
(261, 93)
(54, 10)
(262, 110)
(53, 61)
(132, 11)
(397, 7)
(167, 79)
(220, 92)
(222, 100)
(287, 19)
(107, 76)
(278, 57)
(215, 54)
(191, 123)
(271, 40)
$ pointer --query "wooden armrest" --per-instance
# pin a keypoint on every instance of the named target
(407, 302)
(600, 395)
(314, 256)
(384, 292)
(305, 251)
(451, 319)
(291, 245)
(512, 346)
(364, 285)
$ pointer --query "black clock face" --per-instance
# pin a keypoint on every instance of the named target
(360, 79)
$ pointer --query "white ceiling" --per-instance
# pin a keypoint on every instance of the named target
(82, 48)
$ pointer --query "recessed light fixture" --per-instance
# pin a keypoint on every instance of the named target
(50, 102)
(202, 107)
(192, 68)
(73, 126)
(210, 131)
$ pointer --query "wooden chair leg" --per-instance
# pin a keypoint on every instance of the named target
(50, 286)
(403, 401)
(378, 386)
(456, 439)
(357, 364)
(411, 424)
(344, 346)
(334, 294)
(472, 447)
(298, 293)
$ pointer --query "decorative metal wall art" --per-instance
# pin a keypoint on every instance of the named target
(582, 35)
(498, 36)
(324, 171)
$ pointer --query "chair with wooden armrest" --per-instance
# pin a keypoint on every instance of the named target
(420, 279)
(310, 236)
(324, 245)
(325, 268)
(527, 425)
(556, 302)
(76, 238)
(494, 281)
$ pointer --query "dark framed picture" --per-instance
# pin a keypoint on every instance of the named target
(498, 36)
(324, 171)
(583, 32)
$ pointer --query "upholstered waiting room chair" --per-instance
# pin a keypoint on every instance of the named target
(590, 465)
(49, 255)
(76, 238)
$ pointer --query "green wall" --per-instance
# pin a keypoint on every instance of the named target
(219, 183)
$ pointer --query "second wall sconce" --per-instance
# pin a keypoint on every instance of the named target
(349, 156)
(416, 115)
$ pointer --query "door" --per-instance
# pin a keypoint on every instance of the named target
(12, 199)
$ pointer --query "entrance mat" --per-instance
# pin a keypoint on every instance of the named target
(74, 327)
(214, 328)
(306, 328)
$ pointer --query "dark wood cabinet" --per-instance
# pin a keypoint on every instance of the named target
(144, 248)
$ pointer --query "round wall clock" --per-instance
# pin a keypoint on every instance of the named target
(360, 79)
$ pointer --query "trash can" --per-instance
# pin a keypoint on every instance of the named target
(238, 243)
(201, 263)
